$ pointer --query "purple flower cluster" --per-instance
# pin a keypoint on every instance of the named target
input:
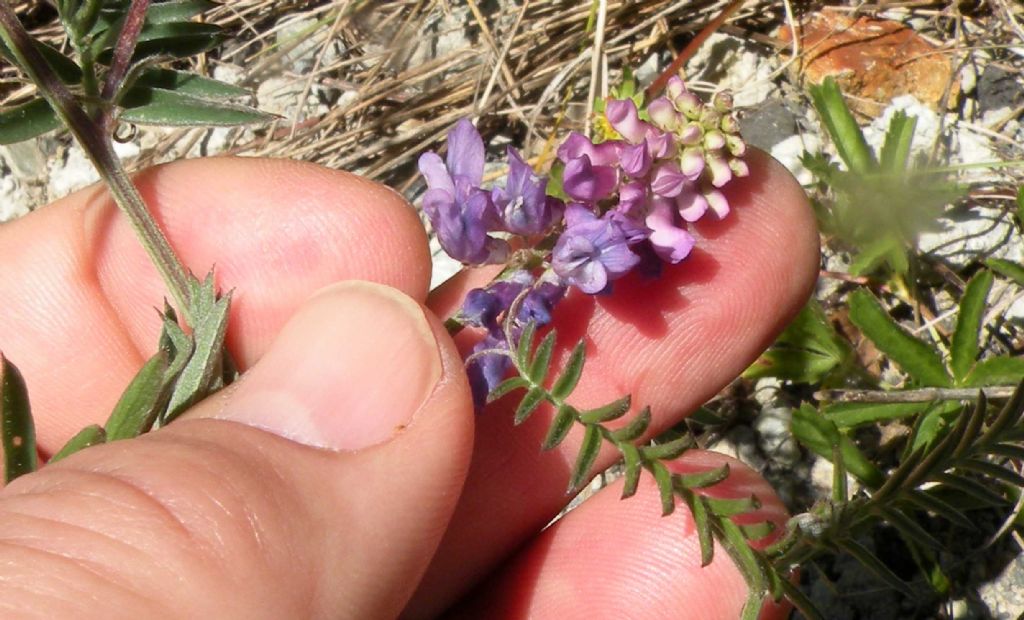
(632, 192)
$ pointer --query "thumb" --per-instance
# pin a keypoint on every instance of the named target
(316, 486)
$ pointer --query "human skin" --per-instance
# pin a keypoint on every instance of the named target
(346, 474)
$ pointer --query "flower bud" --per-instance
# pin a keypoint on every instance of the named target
(737, 147)
(663, 114)
(691, 134)
(720, 171)
(722, 101)
(717, 203)
(675, 87)
(714, 140)
(622, 115)
(739, 167)
(691, 163)
(729, 124)
(689, 105)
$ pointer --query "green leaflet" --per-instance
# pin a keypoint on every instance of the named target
(564, 420)
(190, 84)
(142, 401)
(842, 127)
(996, 371)
(155, 106)
(174, 39)
(898, 139)
(820, 435)
(18, 428)
(806, 352)
(65, 68)
(852, 415)
(964, 345)
(567, 381)
(589, 450)
(912, 355)
(89, 436)
(27, 120)
(202, 373)
(1007, 268)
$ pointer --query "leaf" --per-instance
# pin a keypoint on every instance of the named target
(752, 606)
(996, 371)
(703, 479)
(585, 459)
(852, 415)
(112, 18)
(842, 127)
(933, 425)
(155, 106)
(506, 387)
(757, 531)
(806, 351)
(542, 359)
(142, 400)
(570, 376)
(560, 427)
(92, 435)
(175, 39)
(633, 467)
(201, 373)
(874, 565)
(636, 427)
(743, 555)
(525, 347)
(926, 500)
(191, 84)
(528, 405)
(18, 428)
(898, 139)
(874, 255)
(731, 507)
(663, 478)
(993, 471)
(912, 355)
(1007, 268)
(668, 450)
(64, 67)
(964, 344)
(612, 411)
(909, 528)
(972, 488)
(699, 510)
(26, 121)
(819, 433)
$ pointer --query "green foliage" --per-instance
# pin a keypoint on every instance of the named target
(880, 203)
(147, 94)
(808, 351)
(16, 424)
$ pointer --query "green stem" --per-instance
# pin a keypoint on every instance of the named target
(97, 145)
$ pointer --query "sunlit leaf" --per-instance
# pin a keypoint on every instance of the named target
(154, 106)
(819, 434)
(534, 397)
(633, 468)
(842, 127)
(964, 344)
(506, 387)
(915, 357)
(560, 426)
(1007, 268)
(852, 415)
(538, 369)
(570, 376)
(612, 411)
(898, 139)
(663, 478)
(996, 371)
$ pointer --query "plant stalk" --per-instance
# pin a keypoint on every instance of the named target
(98, 146)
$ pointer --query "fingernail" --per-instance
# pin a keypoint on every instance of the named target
(347, 372)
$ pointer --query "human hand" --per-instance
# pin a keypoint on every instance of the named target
(421, 507)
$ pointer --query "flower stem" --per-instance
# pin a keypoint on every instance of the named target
(96, 142)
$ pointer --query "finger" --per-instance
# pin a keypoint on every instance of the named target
(80, 294)
(672, 343)
(611, 558)
(319, 488)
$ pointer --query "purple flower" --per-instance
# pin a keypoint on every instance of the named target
(523, 205)
(460, 212)
(578, 145)
(625, 119)
(635, 160)
(671, 243)
(591, 252)
(668, 180)
(691, 204)
(586, 182)
(486, 372)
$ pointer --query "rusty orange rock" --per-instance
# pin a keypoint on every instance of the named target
(873, 60)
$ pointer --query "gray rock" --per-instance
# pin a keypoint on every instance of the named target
(768, 124)
(1004, 595)
(25, 159)
(774, 437)
(999, 88)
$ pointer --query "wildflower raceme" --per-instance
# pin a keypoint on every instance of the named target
(632, 191)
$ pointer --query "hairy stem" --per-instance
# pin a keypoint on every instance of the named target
(125, 47)
(97, 145)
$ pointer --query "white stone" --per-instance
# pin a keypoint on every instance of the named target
(71, 173)
(729, 63)
(14, 200)
(790, 150)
